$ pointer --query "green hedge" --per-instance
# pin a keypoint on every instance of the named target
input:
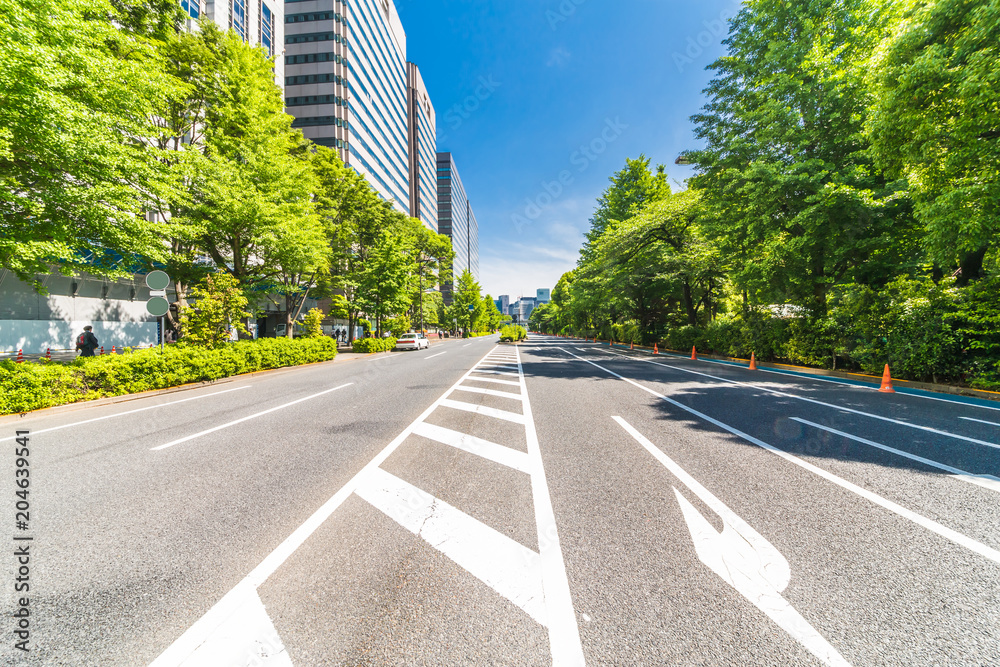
(369, 345)
(31, 386)
(512, 333)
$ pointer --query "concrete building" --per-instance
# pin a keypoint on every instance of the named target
(543, 295)
(456, 220)
(422, 141)
(346, 83)
(504, 301)
(260, 22)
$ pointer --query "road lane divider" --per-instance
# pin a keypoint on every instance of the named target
(129, 412)
(248, 418)
(436, 355)
(486, 449)
(475, 547)
(492, 392)
(505, 415)
(979, 421)
(741, 557)
(814, 401)
(929, 524)
(509, 568)
(985, 481)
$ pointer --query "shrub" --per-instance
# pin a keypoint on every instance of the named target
(25, 387)
(370, 345)
(313, 325)
(686, 337)
(513, 333)
(218, 305)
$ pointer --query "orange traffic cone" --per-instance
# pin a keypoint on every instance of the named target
(886, 387)
(20, 356)
(48, 353)
(656, 350)
(753, 361)
(113, 350)
(102, 350)
(694, 353)
(631, 346)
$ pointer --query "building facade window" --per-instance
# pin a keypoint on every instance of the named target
(192, 7)
(267, 29)
(239, 18)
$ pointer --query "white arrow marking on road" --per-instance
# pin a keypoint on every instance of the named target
(742, 558)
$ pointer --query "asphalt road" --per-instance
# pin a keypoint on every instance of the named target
(479, 504)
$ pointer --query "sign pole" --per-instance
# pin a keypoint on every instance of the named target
(162, 334)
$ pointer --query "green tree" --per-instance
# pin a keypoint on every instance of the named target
(792, 195)
(935, 124)
(77, 83)
(217, 306)
(466, 305)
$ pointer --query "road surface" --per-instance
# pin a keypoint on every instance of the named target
(555, 502)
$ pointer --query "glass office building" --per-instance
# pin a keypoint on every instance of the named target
(457, 221)
(346, 85)
(422, 127)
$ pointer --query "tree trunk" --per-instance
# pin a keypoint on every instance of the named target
(971, 267)
(692, 314)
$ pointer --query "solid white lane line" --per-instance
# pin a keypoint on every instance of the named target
(933, 526)
(985, 481)
(506, 566)
(436, 355)
(483, 410)
(564, 634)
(491, 392)
(741, 557)
(241, 594)
(824, 404)
(130, 412)
(506, 456)
(511, 383)
(243, 419)
(979, 421)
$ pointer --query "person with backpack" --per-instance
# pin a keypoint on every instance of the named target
(87, 342)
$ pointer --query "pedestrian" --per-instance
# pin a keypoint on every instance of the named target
(86, 342)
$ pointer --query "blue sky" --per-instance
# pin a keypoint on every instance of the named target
(540, 101)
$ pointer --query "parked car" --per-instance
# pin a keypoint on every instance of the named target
(412, 341)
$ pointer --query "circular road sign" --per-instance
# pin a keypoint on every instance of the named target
(157, 280)
(157, 306)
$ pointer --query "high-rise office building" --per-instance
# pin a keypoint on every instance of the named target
(543, 295)
(259, 22)
(346, 85)
(504, 300)
(456, 221)
(422, 127)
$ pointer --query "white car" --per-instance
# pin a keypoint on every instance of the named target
(412, 341)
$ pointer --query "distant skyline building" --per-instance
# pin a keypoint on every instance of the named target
(543, 295)
(504, 300)
(456, 221)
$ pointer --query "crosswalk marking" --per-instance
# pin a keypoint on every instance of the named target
(506, 566)
(507, 373)
(470, 443)
(510, 383)
(483, 410)
(490, 392)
